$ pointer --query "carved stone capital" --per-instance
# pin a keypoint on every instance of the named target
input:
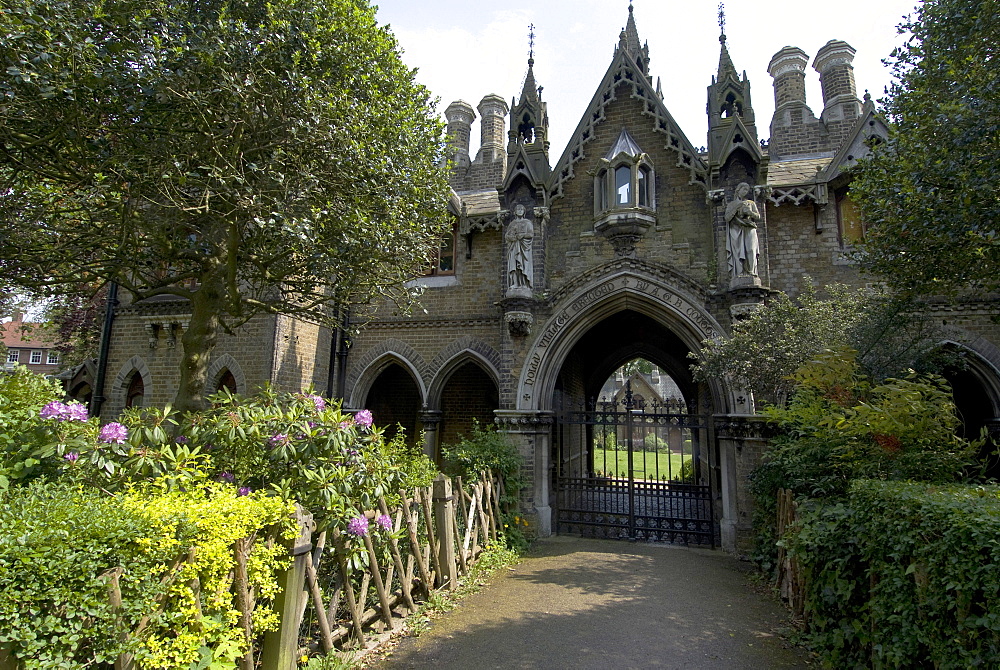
(519, 323)
(514, 420)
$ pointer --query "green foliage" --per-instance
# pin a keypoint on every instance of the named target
(889, 334)
(840, 427)
(490, 449)
(236, 155)
(59, 542)
(292, 445)
(929, 194)
(902, 575)
(22, 395)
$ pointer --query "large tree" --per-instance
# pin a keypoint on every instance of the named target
(246, 156)
(931, 194)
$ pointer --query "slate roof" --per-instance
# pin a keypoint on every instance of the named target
(796, 171)
(482, 202)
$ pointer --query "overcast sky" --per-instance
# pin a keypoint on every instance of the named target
(467, 49)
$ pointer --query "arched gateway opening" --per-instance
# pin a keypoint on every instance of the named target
(631, 454)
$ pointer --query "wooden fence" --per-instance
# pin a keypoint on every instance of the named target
(790, 580)
(331, 602)
(332, 598)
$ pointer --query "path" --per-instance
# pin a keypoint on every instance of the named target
(578, 603)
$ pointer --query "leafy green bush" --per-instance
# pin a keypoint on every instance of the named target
(902, 575)
(293, 445)
(490, 449)
(839, 427)
(22, 395)
(59, 542)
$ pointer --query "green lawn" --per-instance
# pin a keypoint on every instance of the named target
(644, 464)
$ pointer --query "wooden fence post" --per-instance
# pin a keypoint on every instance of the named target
(444, 512)
(280, 648)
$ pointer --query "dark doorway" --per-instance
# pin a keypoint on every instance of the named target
(469, 396)
(394, 401)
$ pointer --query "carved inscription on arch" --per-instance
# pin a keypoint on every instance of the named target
(675, 301)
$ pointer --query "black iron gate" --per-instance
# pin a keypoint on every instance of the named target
(629, 469)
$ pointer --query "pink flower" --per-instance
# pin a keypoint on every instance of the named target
(363, 418)
(358, 526)
(346, 425)
(384, 521)
(76, 412)
(113, 432)
(73, 411)
(278, 439)
(72, 456)
(318, 401)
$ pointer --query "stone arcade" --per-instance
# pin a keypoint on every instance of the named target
(635, 243)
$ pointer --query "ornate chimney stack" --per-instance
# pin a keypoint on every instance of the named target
(460, 116)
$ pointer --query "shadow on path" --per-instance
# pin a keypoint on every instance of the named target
(580, 603)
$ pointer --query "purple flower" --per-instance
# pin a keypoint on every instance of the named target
(54, 410)
(358, 526)
(346, 425)
(76, 412)
(363, 418)
(73, 411)
(244, 491)
(384, 521)
(278, 439)
(113, 432)
(318, 401)
(227, 477)
(72, 456)
(181, 439)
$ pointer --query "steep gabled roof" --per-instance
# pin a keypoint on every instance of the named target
(870, 125)
(624, 70)
(521, 163)
(737, 136)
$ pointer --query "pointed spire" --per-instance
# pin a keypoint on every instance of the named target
(726, 66)
(530, 89)
(632, 43)
(629, 41)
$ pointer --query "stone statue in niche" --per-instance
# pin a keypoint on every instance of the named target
(743, 250)
(518, 237)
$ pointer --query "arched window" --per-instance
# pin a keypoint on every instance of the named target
(136, 391)
(623, 185)
(227, 381)
(626, 180)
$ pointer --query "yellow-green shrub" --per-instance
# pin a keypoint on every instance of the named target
(58, 543)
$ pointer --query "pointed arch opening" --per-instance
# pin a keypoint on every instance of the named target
(395, 402)
(469, 396)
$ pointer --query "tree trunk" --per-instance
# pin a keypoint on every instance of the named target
(198, 342)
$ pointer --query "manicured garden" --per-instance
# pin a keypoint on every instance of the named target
(166, 541)
(889, 540)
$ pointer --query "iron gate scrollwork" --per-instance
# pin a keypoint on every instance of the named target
(628, 469)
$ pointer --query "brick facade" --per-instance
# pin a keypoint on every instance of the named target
(608, 282)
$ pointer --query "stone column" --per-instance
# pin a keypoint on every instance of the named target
(431, 420)
(531, 431)
(743, 440)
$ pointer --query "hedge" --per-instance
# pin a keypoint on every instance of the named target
(902, 575)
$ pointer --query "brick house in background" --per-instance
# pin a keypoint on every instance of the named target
(29, 345)
(635, 242)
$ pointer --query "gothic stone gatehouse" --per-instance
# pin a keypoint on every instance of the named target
(633, 244)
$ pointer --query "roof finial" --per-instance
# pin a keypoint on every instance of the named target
(722, 22)
(531, 44)
(630, 7)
